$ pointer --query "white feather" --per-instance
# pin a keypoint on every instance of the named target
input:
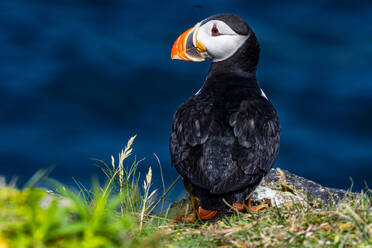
(223, 46)
(263, 94)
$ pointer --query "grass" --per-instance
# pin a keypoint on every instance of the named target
(119, 213)
(346, 224)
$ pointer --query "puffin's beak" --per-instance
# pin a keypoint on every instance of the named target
(187, 47)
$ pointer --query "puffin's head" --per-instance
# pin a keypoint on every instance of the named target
(216, 38)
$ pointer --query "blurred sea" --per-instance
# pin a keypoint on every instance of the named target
(79, 77)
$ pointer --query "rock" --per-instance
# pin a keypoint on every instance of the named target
(281, 186)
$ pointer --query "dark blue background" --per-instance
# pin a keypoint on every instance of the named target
(78, 78)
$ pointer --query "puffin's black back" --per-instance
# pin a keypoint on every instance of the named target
(225, 139)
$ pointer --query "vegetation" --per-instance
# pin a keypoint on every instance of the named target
(347, 224)
(120, 214)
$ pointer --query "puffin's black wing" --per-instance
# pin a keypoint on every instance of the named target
(224, 153)
(190, 131)
(256, 129)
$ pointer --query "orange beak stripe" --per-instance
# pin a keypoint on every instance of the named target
(179, 47)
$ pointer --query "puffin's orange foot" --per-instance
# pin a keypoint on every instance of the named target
(257, 208)
(206, 214)
(240, 207)
(254, 208)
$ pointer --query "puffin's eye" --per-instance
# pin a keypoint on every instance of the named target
(215, 31)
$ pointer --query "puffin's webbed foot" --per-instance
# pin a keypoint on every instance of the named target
(199, 212)
(206, 214)
(241, 208)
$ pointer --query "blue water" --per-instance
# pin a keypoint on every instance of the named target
(78, 78)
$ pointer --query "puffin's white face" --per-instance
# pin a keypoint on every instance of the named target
(220, 41)
(213, 40)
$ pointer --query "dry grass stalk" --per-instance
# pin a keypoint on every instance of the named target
(147, 197)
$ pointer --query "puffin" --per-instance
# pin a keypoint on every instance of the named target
(226, 137)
